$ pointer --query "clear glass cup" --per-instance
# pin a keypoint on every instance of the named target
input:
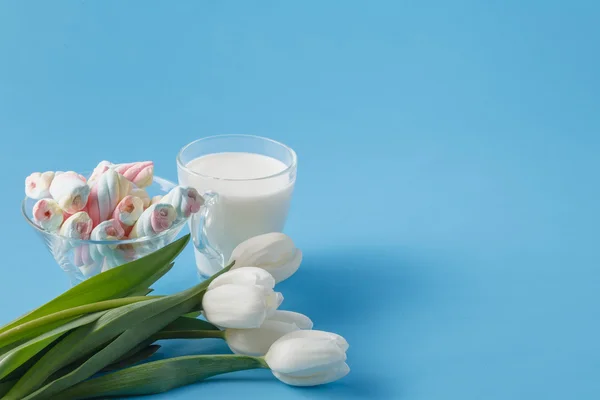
(247, 182)
(82, 259)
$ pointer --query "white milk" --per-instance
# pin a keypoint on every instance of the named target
(246, 205)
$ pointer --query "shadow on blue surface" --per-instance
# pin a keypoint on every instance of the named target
(349, 291)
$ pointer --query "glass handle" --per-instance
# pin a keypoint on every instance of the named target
(198, 224)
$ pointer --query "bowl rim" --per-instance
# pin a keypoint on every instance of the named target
(142, 239)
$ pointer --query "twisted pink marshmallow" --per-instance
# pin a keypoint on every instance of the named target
(105, 194)
(105, 231)
(108, 230)
(101, 168)
(143, 195)
(48, 214)
(128, 211)
(139, 173)
(77, 226)
(70, 191)
(186, 200)
(37, 185)
(156, 199)
(125, 252)
(83, 257)
(155, 219)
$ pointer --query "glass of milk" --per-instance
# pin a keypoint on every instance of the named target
(247, 182)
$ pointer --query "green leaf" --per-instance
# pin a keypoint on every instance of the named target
(189, 328)
(194, 314)
(158, 273)
(50, 321)
(7, 348)
(6, 386)
(185, 323)
(160, 376)
(82, 342)
(160, 313)
(135, 358)
(20, 371)
(121, 345)
(115, 283)
(20, 355)
(139, 353)
(144, 292)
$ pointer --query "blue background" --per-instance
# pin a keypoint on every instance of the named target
(447, 199)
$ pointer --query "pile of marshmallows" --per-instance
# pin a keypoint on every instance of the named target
(111, 205)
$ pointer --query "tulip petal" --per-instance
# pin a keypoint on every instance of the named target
(277, 302)
(245, 276)
(305, 350)
(332, 374)
(290, 317)
(274, 252)
(236, 306)
(286, 270)
(276, 243)
(256, 342)
(320, 335)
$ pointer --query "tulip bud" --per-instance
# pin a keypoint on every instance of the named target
(256, 342)
(245, 276)
(308, 358)
(241, 299)
(274, 252)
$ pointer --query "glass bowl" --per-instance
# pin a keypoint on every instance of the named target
(74, 256)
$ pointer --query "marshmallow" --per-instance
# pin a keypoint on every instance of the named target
(70, 191)
(77, 226)
(156, 199)
(121, 254)
(155, 219)
(140, 173)
(83, 256)
(101, 168)
(48, 214)
(71, 174)
(37, 185)
(105, 231)
(128, 211)
(105, 195)
(117, 257)
(186, 200)
(142, 194)
(108, 230)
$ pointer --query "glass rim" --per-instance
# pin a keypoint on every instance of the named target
(288, 168)
(103, 242)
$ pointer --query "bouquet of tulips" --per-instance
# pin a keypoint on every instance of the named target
(89, 342)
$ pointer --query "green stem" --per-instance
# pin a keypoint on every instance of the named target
(22, 331)
(160, 376)
(189, 335)
(262, 362)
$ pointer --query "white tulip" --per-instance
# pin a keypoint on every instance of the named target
(274, 252)
(241, 299)
(308, 358)
(256, 342)
(245, 276)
